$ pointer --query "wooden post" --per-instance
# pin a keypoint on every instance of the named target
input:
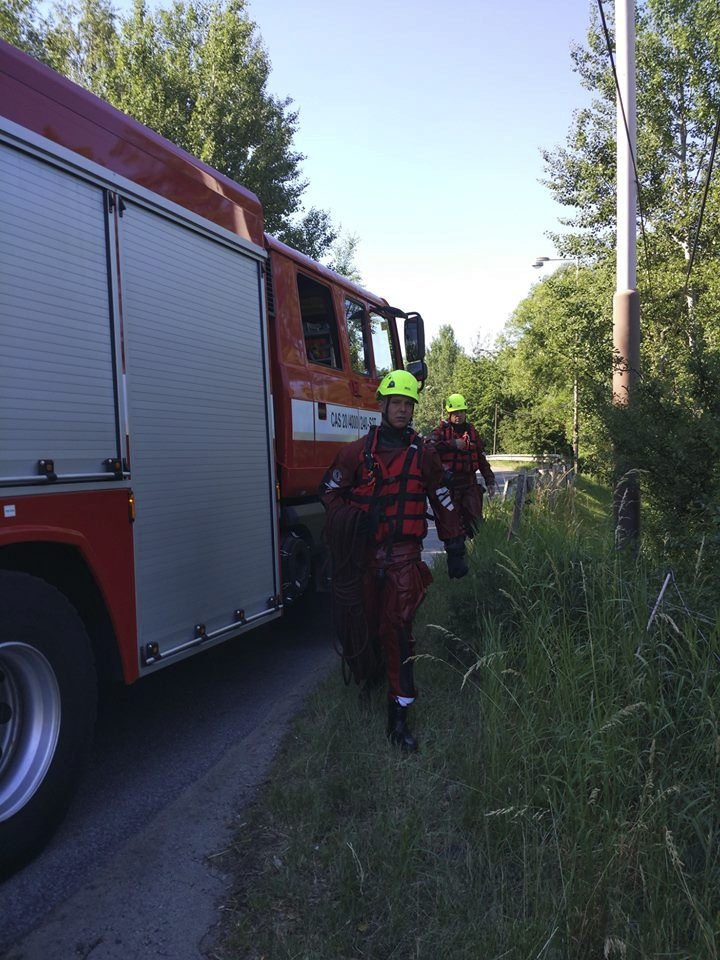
(517, 508)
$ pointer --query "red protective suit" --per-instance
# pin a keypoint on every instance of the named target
(375, 495)
(467, 494)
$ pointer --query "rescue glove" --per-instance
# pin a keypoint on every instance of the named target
(456, 562)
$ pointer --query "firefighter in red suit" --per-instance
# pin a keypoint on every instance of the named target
(375, 494)
(462, 454)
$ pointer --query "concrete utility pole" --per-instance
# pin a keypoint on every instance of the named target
(626, 302)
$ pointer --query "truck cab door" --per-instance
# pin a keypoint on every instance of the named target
(337, 391)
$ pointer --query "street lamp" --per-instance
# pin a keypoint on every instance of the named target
(539, 263)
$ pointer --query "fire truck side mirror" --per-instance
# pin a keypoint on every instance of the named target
(414, 339)
(418, 368)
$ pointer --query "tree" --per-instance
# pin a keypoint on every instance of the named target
(480, 379)
(537, 429)
(676, 407)
(678, 85)
(197, 73)
(313, 234)
(678, 82)
(442, 359)
(81, 42)
(342, 256)
(19, 20)
(555, 364)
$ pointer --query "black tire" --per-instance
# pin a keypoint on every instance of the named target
(296, 556)
(48, 701)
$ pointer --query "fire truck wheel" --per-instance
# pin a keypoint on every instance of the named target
(48, 696)
(296, 566)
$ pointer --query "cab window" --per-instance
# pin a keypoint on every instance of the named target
(382, 345)
(356, 321)
(319, 323)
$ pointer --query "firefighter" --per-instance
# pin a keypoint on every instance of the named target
(375, 496)
(462, 453)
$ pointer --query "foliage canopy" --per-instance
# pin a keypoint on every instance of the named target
(197, 73)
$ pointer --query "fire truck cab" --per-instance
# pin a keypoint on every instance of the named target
(330, 344)
(173, 384)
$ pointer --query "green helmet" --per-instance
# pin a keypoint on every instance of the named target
(455, 402)
(398, 383)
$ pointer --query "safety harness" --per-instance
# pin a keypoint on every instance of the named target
(459, 461)
(394, 499)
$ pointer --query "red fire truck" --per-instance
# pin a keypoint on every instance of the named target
(173, 383)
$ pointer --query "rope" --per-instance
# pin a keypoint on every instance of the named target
(347, 553)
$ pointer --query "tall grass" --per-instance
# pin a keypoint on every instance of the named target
(565, 800)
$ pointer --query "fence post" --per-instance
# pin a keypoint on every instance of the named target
(519, 500)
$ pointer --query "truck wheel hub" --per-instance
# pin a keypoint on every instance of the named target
(30, 713)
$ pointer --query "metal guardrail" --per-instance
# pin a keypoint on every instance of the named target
(524, 458)
(546, 475)
(550, 478)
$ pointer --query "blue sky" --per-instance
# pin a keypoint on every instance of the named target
(422, 126)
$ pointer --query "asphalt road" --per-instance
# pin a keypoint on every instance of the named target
(176, 758)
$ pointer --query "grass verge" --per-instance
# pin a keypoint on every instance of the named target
(564, 802)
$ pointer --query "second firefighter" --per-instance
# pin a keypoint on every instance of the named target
(462, 453)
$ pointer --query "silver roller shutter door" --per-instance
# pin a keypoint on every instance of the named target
(57, 391)
(197, 413)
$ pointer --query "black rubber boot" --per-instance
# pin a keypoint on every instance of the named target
(397, 730)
